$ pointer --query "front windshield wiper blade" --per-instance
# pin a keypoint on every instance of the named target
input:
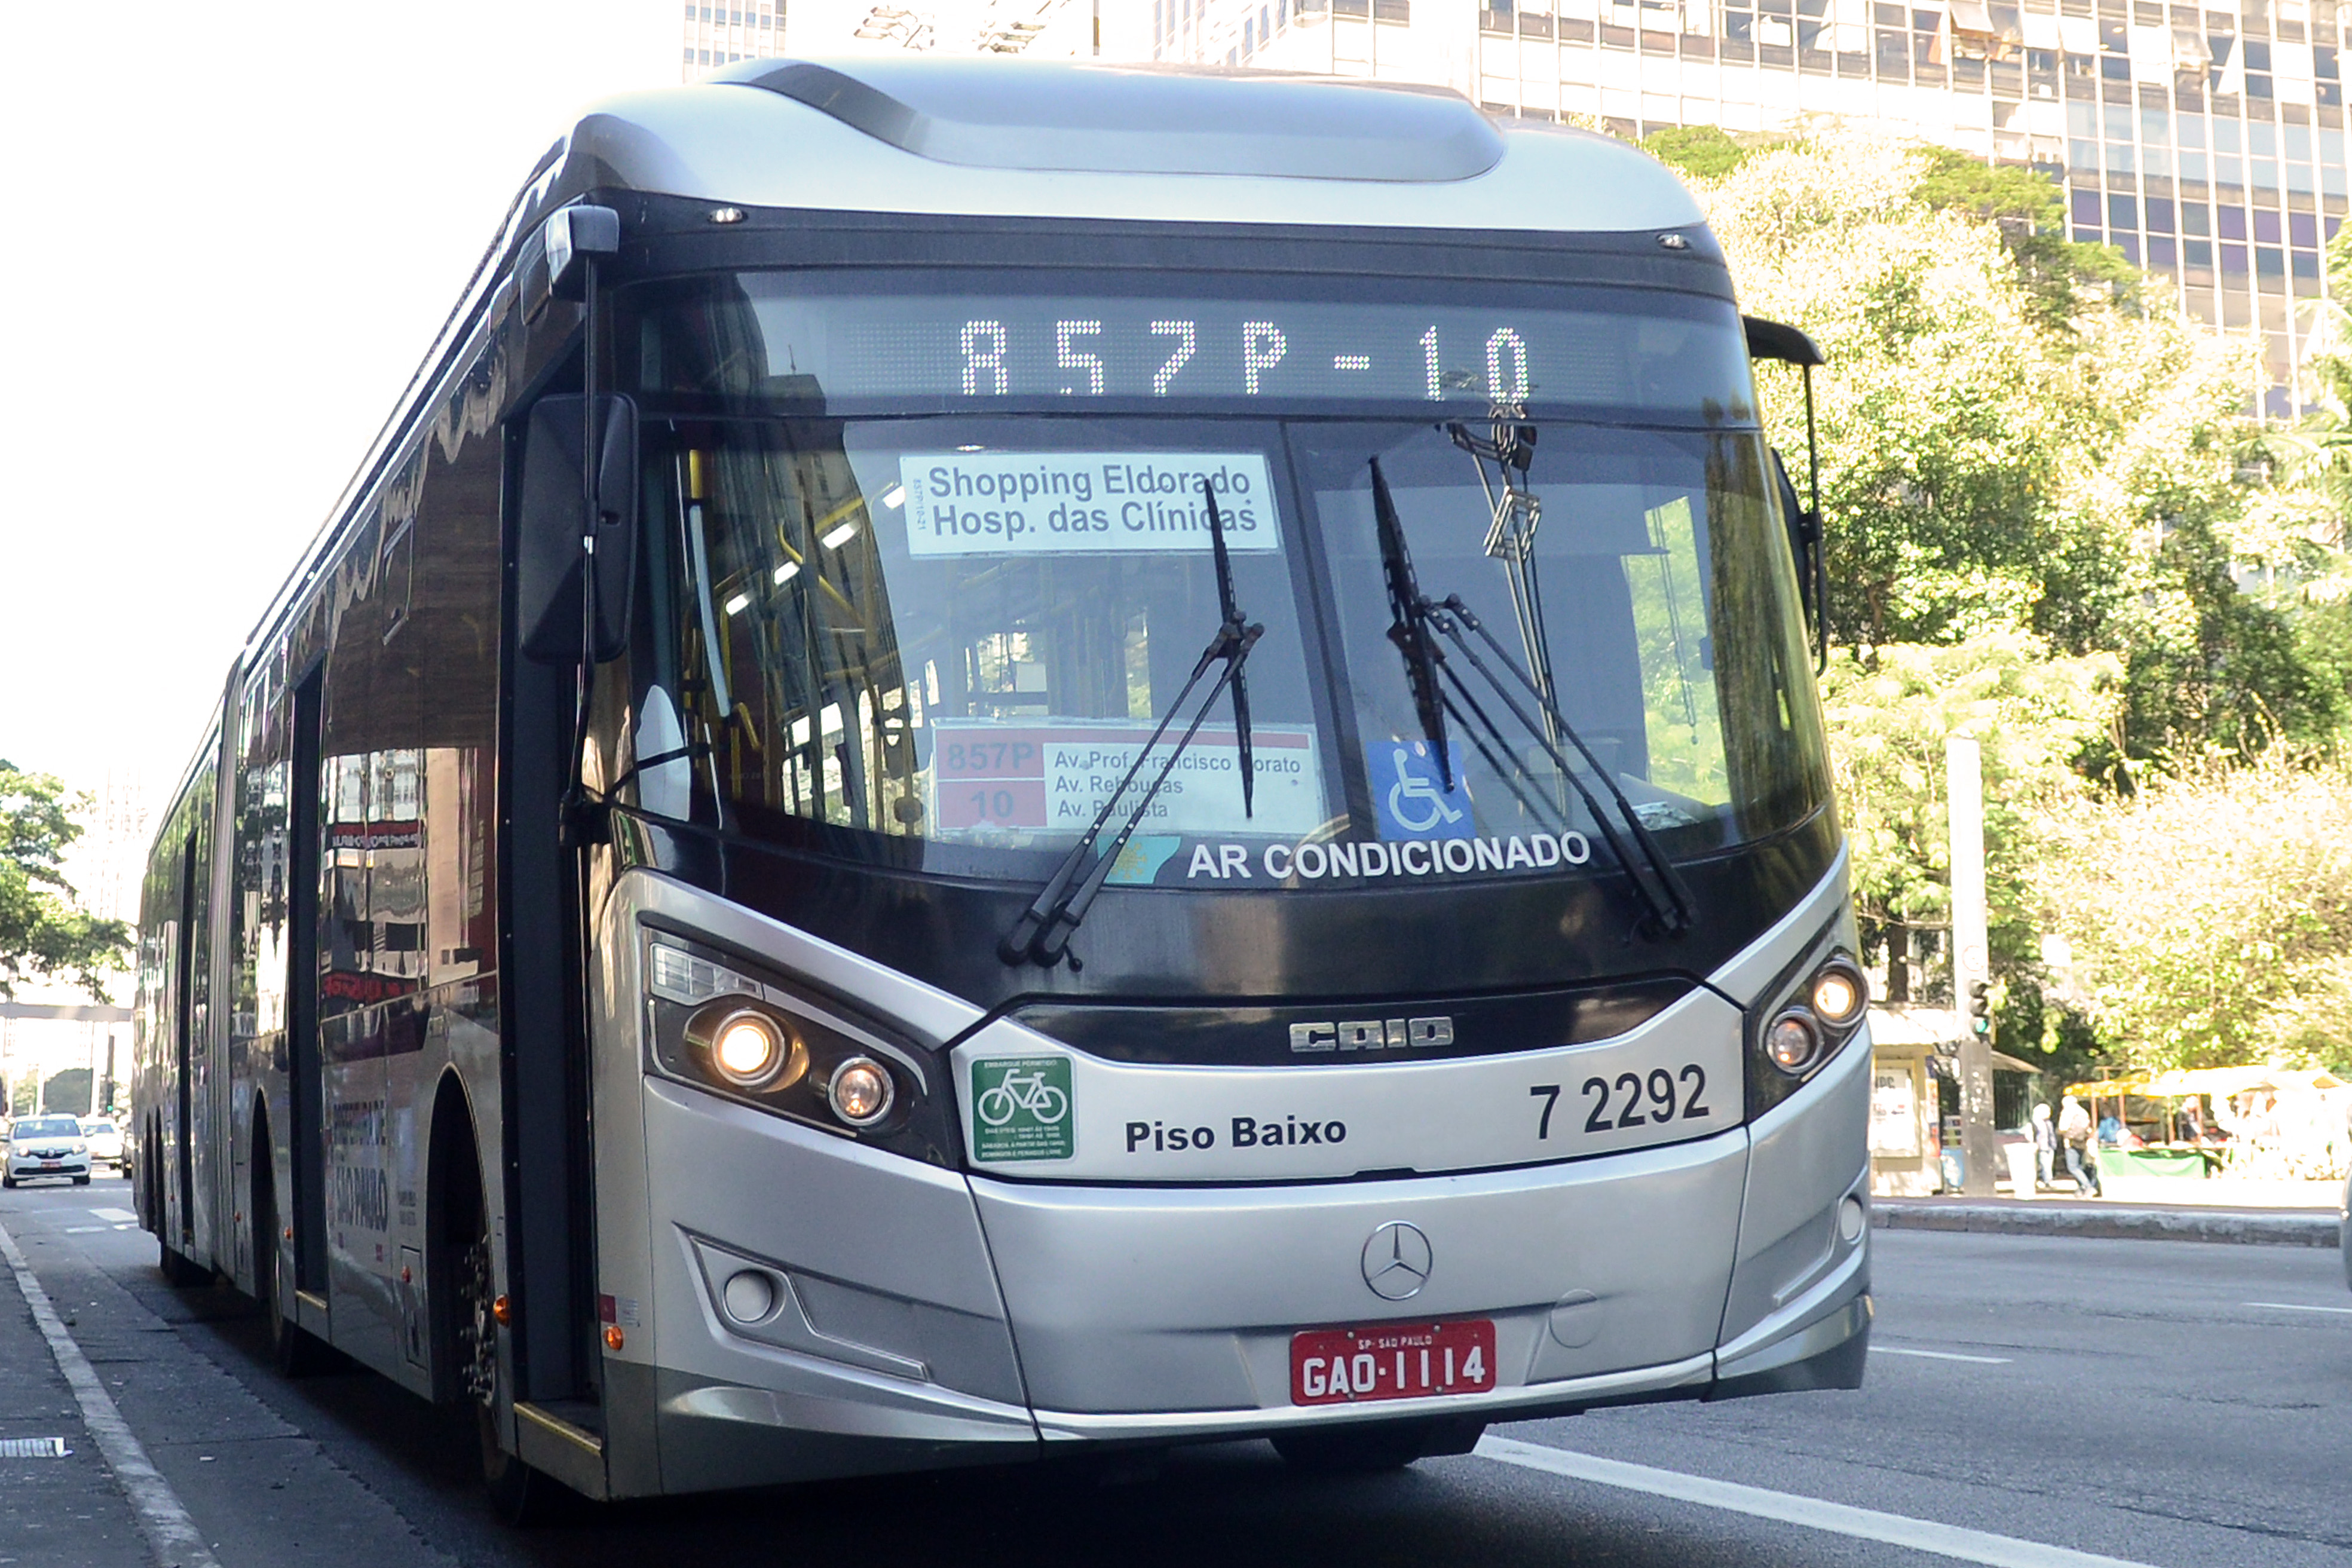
(1042, 934)
(1656, 881)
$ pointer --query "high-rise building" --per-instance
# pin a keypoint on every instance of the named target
(2207, 145)
(720, 35)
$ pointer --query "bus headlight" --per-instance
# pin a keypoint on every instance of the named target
(727, 1027)
(1802, 1022)
(860, 1092)
(1792, 1041)
(751, 1050)
(1839, 992)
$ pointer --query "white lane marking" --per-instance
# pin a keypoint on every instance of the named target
(112, 1214)
(82, 1229)
(2291, 1306)
(1940, 1355)
(1838, 1519)
(170, 1532)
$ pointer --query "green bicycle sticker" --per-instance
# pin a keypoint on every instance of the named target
(1021, 1109)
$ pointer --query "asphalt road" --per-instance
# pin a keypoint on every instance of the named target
(2157, 1402)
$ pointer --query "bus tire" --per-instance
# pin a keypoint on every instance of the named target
(294, 1351)
(465, 1274)
(1370, 1449)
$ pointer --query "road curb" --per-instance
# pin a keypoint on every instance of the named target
(2318, 1229)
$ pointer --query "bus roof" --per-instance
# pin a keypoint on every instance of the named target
(1074, 140)
(1049, 140)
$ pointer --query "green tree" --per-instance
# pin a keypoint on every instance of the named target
(1889, 718)
(1705, 151)
(2210, 913)
(42, 933)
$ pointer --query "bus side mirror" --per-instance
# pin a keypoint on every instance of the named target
(1804, 540)
(1789, 345)
(551, 526)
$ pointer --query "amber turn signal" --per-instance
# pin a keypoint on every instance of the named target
(500, 1310)
(613, 1336)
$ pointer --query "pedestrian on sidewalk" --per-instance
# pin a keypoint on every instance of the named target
(2045, 1146)
(2075, 1131)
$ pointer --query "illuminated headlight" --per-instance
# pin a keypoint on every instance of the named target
(860, 1092)
(1839, 994)
(747, 1049)
(80, 1148)
(1792, 1042)
(717, 1023)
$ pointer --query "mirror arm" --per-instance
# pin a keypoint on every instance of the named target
(1820, 532)
(583, 821)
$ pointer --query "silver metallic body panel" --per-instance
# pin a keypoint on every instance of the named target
(1806, 1155)
(1147, 1299)
(796, 1305)
(746, 146)
(1468, 1114)
(886, 1346)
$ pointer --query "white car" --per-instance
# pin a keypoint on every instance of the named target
(47, 1148)
(105, 1140)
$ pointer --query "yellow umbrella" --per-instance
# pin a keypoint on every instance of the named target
(2109, 1086)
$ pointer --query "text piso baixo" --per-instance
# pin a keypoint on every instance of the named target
(1246, 1132)
(1413, 857)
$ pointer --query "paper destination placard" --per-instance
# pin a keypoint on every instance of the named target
(1055, 775)
(1048, 503)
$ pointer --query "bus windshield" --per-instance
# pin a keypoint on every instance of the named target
(929, 621)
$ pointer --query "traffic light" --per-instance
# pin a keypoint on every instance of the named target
(1980, 1007)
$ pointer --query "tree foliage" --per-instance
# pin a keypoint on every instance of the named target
(2046, 499)
(42, 932)
(2032, 715)
(2210, 914)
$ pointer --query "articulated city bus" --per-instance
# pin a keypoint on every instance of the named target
(1003, 759)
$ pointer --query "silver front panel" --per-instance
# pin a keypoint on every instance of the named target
(1808, 1155)
(1674, 1078)
(1143, 1299)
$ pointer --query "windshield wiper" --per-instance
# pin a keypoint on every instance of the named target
(1042, 934)
(1439, 688)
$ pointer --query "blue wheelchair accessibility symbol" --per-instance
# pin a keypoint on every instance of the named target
(1410, 796)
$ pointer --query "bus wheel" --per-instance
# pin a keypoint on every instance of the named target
(521, 1495)
(293, 1350)
(1367, 1450)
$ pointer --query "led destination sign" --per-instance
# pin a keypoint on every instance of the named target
(1656, 351)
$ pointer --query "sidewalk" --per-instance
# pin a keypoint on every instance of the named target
(53, 1510)
(2109, 1220)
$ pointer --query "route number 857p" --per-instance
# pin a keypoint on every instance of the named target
(1661, 1096)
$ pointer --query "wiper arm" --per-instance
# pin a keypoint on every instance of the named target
(1419, 622)
(1409, 626)
(1042, 934)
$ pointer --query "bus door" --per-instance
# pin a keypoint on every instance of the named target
(183, 1029)
(307, 1204)
(549, 1214)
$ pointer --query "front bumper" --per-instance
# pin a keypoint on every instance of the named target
(30, 1169)
(990, 1318)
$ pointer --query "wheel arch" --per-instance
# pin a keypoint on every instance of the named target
(456, 1189)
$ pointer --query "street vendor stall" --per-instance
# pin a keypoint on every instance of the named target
(2263, 1124)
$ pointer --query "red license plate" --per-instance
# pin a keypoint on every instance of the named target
(1392, 1361)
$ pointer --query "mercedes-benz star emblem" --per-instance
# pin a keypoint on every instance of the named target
(1397, 1261)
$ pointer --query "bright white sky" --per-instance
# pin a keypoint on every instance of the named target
(232, 229)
